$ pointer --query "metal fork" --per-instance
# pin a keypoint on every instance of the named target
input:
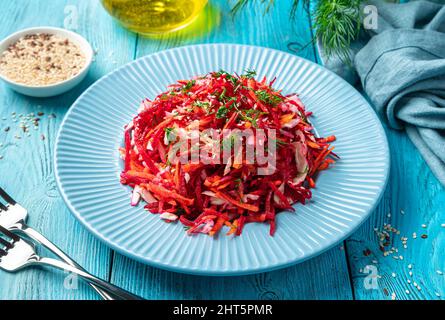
(17, 253)
(13, 217)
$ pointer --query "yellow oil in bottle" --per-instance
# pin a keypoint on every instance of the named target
(154, 16)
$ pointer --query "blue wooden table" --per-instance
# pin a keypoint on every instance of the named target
(414, 202)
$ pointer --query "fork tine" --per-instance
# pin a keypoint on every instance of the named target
(7, 244)
(3, 207)
(9, 234)
(7, 197)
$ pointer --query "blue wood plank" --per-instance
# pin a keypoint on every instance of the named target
(325, 277)
(414, 197)
(26, 170)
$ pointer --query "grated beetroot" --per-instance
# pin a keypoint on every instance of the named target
(206, 196)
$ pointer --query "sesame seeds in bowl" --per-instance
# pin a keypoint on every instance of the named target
(41, 59)
(44, 62)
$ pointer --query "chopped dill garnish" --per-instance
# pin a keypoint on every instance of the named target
(249, 74)
(252, 116)
(280, 142)
(179, 211)
(268, 98)
(201, 104)
(171, 135)
(222, 112)
(188, 85)
(222, 95)
(234, 80)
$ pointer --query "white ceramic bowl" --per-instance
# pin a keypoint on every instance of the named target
(56, 88)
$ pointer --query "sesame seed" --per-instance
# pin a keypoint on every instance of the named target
(439, 272)
(36, 66)
(410, 273)
(393, 275)
(437, 294)
(443, 225)
(409, 281)
(423, 225)
(393, 296)
(410, 266)
(407, 291)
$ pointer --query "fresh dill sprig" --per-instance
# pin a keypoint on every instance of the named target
(240, 4)
(337, 23)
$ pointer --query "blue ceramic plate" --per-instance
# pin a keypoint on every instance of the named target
(88, 164)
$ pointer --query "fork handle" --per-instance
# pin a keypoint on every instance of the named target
(38, 237)
(116, 291)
